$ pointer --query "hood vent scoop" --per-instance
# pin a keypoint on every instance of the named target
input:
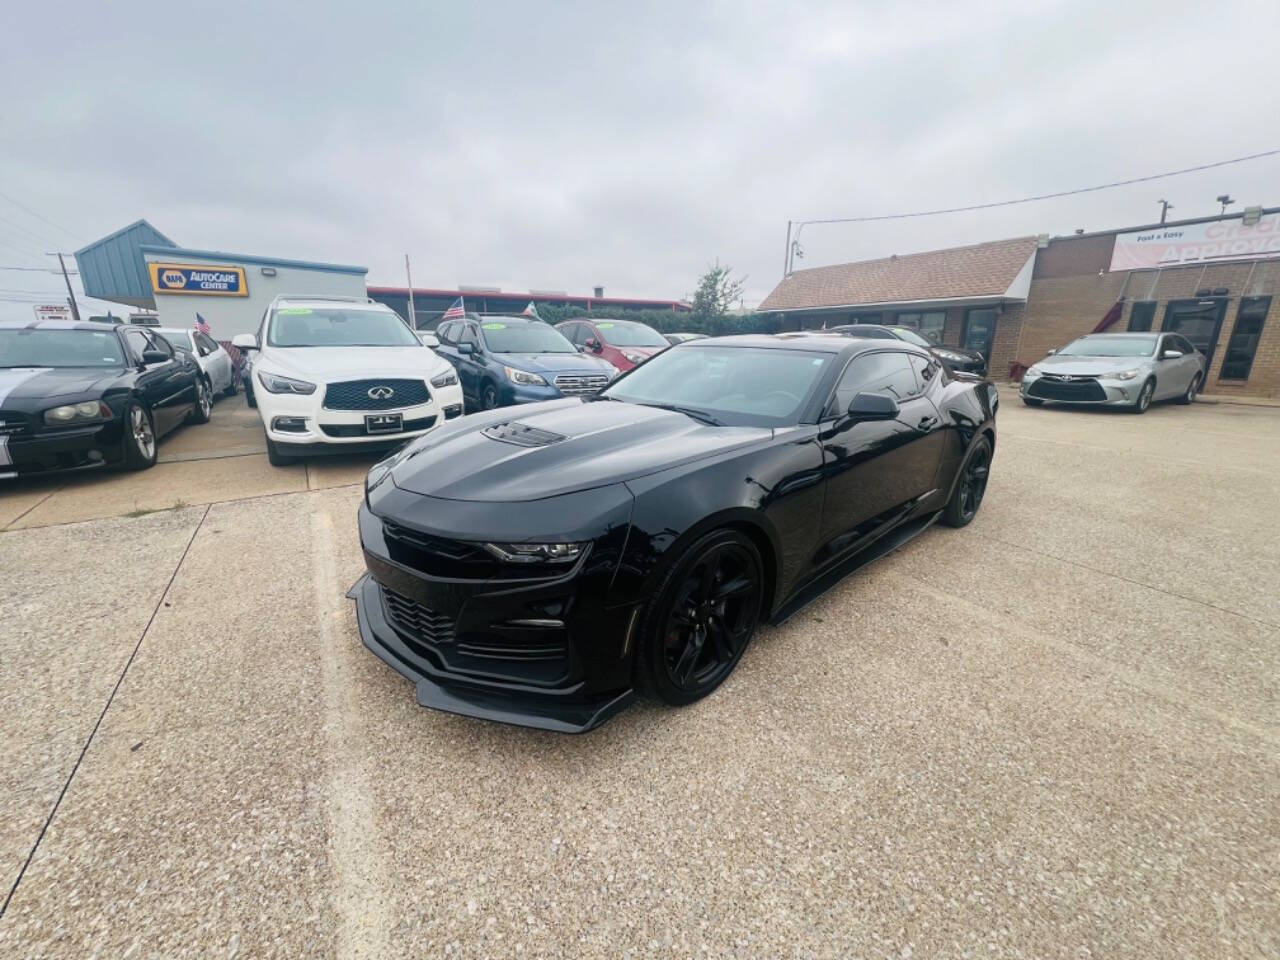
(522, 435)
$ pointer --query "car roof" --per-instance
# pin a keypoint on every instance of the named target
(56, 325)
(813, 341)
(354, 303)
(183, 330)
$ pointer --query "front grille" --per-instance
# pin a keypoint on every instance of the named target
(581, 385)
(359, 430)
(354, 394)
(1082, 389)
(422, 624)
(496, 648)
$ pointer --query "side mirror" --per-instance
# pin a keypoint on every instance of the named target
(580, 348)
(1171, 355)
(1052, 351)
(466, 349)
(429, 339)
(154, 356)
(594, 344)
(873, 406)
(244, 341)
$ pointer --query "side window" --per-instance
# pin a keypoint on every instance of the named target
(445, 333)
(888, 372)
(1184, 345)
(924, 368)
(137, 341)
(210, 346)
(469, 336)
(157, 342)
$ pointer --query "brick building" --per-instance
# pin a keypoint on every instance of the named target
(1213, 279)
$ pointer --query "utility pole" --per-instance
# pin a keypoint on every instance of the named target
(71, 296)
(1165, 207)
(786, 257)
(413, 321)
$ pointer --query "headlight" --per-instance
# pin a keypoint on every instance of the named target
(1032, 373)
(535, 552)
(1121, 375)
(953, 357)
(448, 379)
(78, 413)
(635, 357)
(523, 376)
(278, 384)
(382, 469)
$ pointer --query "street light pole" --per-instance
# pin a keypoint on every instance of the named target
(786, 256)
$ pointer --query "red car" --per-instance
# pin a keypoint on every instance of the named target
(624, 343)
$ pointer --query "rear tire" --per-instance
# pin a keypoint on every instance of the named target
(1032, 402)
(232, 387)
(249, 398)
(488, 397)
(701, 619)
(278, 459)
(1192, 389)
(1144, 398)
(971, 485)
(203, 409)
(139, 437)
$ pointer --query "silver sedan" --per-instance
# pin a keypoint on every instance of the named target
(1117, 369)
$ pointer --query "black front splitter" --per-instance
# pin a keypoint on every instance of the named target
(500, 706)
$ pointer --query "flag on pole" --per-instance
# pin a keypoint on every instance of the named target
(531, 311)
(201, 325)
(456, 312)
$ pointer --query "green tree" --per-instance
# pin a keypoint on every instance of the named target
(716, 294)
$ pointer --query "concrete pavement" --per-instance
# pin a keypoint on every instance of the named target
(1053, 733)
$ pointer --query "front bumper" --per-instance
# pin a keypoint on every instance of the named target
(57, 451)
(551, 650)
(1088, 391)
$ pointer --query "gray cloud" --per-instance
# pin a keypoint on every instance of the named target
(560, 146)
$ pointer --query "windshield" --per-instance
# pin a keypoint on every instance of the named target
(524, 338)
(740, 386)
(909, 335)
(60, 348)
(1110, 347)
(625, 333)
(338, 327)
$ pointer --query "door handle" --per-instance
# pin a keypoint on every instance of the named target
(926, 423)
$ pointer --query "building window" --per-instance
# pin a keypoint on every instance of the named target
(866, 318)
(928, 324)
(979, 330)
(1141, 315)
(1244, 338)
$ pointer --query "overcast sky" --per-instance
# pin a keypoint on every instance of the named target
(559, 146)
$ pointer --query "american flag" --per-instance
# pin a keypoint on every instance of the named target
(201, 325)
(530, 311)
(455, 312)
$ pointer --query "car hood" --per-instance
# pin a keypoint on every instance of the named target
(555, 363)
(581, 445)
(353, 363)
(643, 351)
(1071, 366)
(28, 383)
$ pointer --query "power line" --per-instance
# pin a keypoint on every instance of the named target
(39, 238)
(21, 206)
(38, 270)
(1045, 196)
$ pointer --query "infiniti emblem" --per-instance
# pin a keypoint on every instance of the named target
(381, 393)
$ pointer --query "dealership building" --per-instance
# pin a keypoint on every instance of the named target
(1212, 279)
(140, 267)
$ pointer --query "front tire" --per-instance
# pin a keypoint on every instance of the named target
(1144, 398)
(249, 397)
(701, 619)
(139, 437)
(488, 397)
(276, 458)
(232, 387)
(971, 486)
(1192, 389)
(203, 409)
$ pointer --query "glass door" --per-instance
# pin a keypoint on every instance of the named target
(979, 330)
(1199, 321)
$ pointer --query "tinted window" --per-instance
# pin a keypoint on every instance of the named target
(207, 342)
(737, 385)
(1141, 315)
(22, 347)
(888, 372)
(625, 333)
(469, 336)
(1183, 344)
(928, 324)
(924, 369)
(1244, 338)
(446, 332)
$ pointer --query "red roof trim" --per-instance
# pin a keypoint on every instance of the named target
(507, 295)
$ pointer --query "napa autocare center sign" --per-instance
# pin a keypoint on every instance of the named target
(1197, 243)
(204, 280)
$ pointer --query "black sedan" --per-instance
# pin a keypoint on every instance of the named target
(78, 396)
(543, 565)
(957, 358)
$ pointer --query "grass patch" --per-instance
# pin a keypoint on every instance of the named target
(143, 511)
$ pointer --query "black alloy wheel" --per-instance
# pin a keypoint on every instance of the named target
(488, 397)
(703, 619)
(971, 486)
(1192, 389)
(1144, 397)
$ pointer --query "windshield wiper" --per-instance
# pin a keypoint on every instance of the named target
(688, 412)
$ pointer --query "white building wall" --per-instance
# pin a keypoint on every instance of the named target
(228, 316)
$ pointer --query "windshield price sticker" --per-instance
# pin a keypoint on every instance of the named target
(604, 326)
(293, 311)
(493, 326)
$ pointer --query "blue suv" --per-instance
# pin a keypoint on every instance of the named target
(506, 360)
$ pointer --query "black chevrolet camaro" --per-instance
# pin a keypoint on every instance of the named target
(543, 565)
(77, 396)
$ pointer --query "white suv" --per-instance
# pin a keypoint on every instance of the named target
(334, 375)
